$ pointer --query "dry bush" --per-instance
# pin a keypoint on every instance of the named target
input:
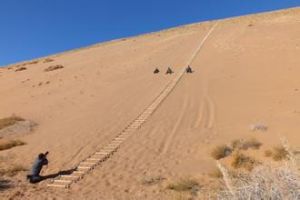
(53, 67)
(265, 182)
(9, 121)
(221, 151)
(258, 127)
(184, 185)
(152, 180)
(268, 153)
(216, 173)
(32, 62)
(47, 60)
(241, 160)
(10, 144)
(21, 69)
(279, 153)
(246, 144)
(12, 171)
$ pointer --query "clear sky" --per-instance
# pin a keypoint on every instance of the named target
(35, 28)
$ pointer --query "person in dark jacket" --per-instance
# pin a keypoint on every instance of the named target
(42, 160)
(169, 71)
(156, 71)
(189, 70)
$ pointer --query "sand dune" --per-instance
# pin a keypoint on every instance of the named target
(246, 72)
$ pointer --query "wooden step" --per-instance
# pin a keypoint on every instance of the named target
(102, 153)
(57, 185)
(93, 159)
(87, 163)
(62, 181)
(70, 176)
(78, 172)
(84, 167)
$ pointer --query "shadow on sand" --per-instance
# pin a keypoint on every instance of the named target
(51, 176)
(5, 184)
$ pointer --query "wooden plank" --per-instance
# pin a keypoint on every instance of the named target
(78, 172)
(94, 159)
(87, 163)
(62, 181)
(101, 153)
(83, 167)
(69, 176)
(57, 185)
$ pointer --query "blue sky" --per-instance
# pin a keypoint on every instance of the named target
(34, 28)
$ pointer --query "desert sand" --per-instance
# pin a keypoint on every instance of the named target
(246, 73)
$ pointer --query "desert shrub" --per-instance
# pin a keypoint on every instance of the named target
(152, 180)
(258, 127)
(265, 182)
(216, 173)
(9, 121)
(246, 144)
(241, 160)
(53, 67)
(32, 62)
(12, 171)
(21, 69)
(279, 153)
(184, 185)
(47, 60)
(221, 151)
(10, 144)
(268, 153)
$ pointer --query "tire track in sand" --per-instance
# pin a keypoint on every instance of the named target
(208, 105)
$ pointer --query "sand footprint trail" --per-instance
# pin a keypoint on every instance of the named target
(88, 164)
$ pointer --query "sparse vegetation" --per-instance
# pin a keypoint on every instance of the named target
(152, 180)
(279, 153)
(9, 121)
(53, 67)
(216, 173)
(12, 171)
(47, 60)
(246, 144)
(241, 160)
(10, 144)
(264, 182)
(21, 69)
(32, 62)
(221, 151)
(268, 153)
(184, 185)
(258, 127)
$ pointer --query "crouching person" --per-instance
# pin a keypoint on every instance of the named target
(41, 160)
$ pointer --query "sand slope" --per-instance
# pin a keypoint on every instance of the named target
(247, 72)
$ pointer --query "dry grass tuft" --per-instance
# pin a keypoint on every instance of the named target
(265, 182)
(9, 121)
(268, 153)
(47, 60)
(246, 144)
(241, 160)
(53, 67)
(10, 144)
(221, 151)
(12, 171)
(21, 69)
(279, 153)
(216, 173)
(33, 62)
(152, 180)
(184, 185)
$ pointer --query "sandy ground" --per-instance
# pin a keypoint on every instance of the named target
(246, 73)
